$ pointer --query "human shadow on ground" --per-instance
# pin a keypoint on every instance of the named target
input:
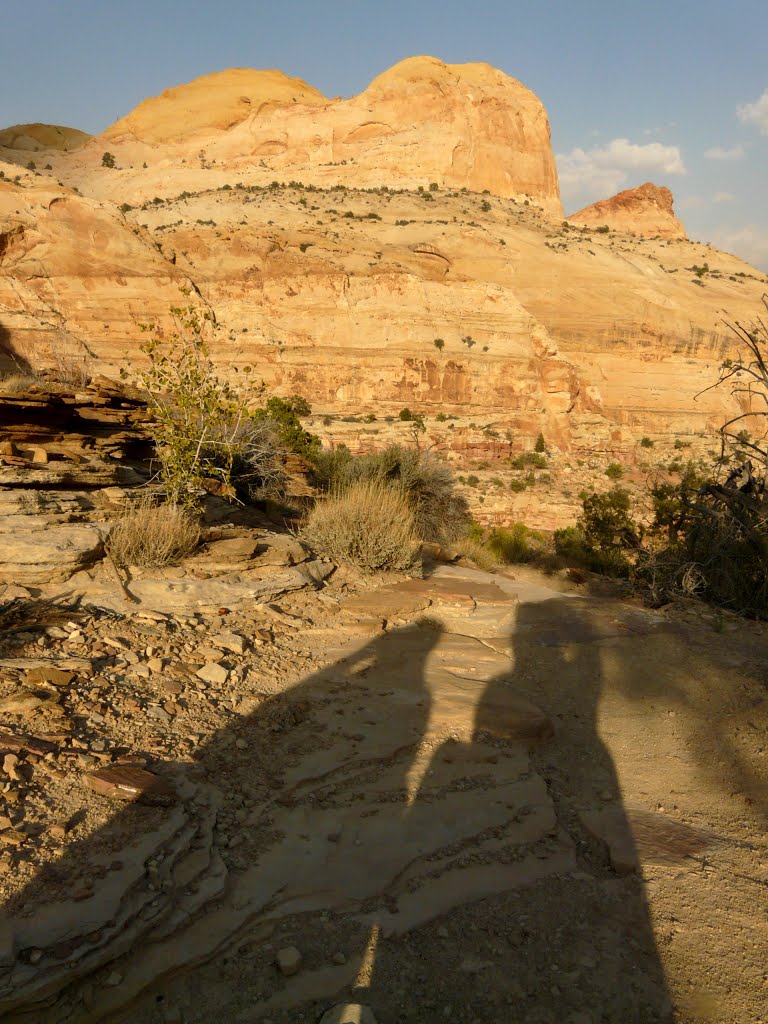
(376, 816)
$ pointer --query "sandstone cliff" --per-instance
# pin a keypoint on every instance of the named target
(423, 121)
(341, 295)
(479, 308)
(646, 210)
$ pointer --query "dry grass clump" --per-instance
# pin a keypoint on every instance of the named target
(15, 383)
(484, 557)
(368, 524)
(153, 536)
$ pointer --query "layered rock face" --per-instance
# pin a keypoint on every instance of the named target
(646, 210)
(340, 296)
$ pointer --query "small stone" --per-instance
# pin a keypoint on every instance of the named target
(158, 713)
(114, 979)
(340, 959)
(57, 831)
(35, 956)
(288, 960)
(10, 762)
(213, 673)
(130, 783)
(348, 1013)
(155, 664)
(142, 671)
(48, 674)
(23, 703)
(231, 642)
(12, 837)
(172, 687)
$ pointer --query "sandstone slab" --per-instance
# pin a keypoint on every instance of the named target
(40, 553)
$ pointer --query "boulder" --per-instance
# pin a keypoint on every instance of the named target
(43, 553)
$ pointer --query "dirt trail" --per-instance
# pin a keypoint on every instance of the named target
(487, 801)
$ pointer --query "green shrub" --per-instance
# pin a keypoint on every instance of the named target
(202, 428)
(540, 446)
(534, 460)
(614, 471)
(439, 344)
(368, 524)
(107, 160)
(283, 414)
(646, 442)
(517, 543)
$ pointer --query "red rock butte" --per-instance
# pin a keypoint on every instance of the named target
(646, 210)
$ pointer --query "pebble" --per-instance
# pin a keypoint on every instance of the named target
(10, 762)
(114, 979)
(231, 642)
(288, 960)
(213, 673)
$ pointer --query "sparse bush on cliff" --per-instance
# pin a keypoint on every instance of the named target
(107, 160)
(367, 523)
(529, 460)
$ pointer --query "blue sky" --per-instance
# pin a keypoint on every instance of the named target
(673, 92)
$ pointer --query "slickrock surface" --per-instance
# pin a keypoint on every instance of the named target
(645, 210)
(213, 102)
(465, 791)
(34, 138)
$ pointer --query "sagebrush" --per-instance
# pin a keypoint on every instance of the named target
(367, 523)
(152, 535)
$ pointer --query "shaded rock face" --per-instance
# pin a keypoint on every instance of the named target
(646, 210)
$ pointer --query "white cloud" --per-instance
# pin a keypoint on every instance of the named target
(602, 171)
(690, 202)
(721, 153)
(755, 113)
(750, 242)
(723, 197)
